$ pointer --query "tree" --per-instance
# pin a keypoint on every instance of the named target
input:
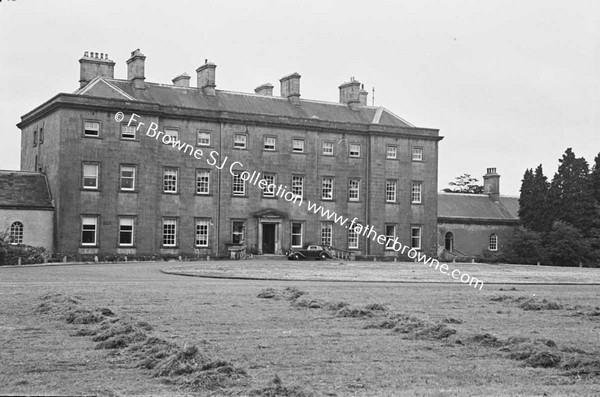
(534, 210)
(525, 247)
(565, 245)
(595, 179)
(570, 195)
(465, 184)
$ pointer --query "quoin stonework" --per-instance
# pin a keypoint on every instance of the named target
(116, 190)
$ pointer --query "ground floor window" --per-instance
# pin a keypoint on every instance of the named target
(16, 233)
(390, 234)
(449, 241)
(169, 233)
(296, 234)
(326, 233)
(415, 237)
(126, 232)
(202, 233)
(237, 232)
(89, 226)
(493, 242)
(352, 238)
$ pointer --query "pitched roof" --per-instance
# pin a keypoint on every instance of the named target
(235, 102)
(477, 208)
(26, 190)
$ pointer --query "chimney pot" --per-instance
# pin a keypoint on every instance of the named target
(350, 93)
(491, 184)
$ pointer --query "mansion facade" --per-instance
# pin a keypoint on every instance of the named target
(119, 189)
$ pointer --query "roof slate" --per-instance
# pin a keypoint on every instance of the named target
(24, 189)
(477, 206)
(226, 101)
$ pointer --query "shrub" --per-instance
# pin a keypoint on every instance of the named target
(10, 254)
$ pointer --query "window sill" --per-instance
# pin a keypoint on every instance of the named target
(91, 136)
(171, 193)
(90, 190)
(203, 194)
(129, 191)
(129, 139)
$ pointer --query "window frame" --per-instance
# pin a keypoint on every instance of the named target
(201, 222)
(95, 231)
(292, 234)
(234, 183)
(353, 234)
(331, 188)
(41, 135)
(198, 182)
(332, 148)
(387, 152)
(165, 222)
(241, 234)
(389, 237)
(133, 178)
(17, 233)
(198, 139)
(326, 226)
(416, 196)
(267, 137)
(134, 138)
(493, 242)
(84, 131)
(132, 231)
(168, 132)
(83, 175)
(176, 181)
(350, 150)
(351, 189)
(388, 183)
(420, 150)
(235, 142)
(264, 191)
(419, 237)
(294, 187)
(35, 138)
(298, 139)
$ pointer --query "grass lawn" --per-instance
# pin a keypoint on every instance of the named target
(318, 338)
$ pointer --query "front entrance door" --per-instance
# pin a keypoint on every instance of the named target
(268, 238)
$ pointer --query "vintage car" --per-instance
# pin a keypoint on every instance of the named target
(310, 252)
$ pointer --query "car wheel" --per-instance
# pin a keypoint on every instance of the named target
(324, 256)
(296, 256)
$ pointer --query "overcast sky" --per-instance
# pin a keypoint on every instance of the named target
(509, 84)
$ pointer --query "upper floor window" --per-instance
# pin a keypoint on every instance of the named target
(240, 141)
(391, 152)
(417, 154)
(390, 191)
(354, 190)
(41, 138)
(298, 145)
(127, 177)
(170, 180)
(269, 143)
(328, 148)
(204, 138)
(90, 176)
(173, 135)
(416, 192)
(91, 128)
(327, 188)
(16, 233)
(354, 150)
(35, 137)
(128, 131)
(239, 185)
(269, 190)
(493, 242)
(202, 182)
(298, 185)
(89, 229)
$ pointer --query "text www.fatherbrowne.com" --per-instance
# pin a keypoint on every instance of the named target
(236, 168)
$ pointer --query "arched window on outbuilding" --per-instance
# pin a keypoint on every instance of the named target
(449, 241)
(16, 233)
(493, 242)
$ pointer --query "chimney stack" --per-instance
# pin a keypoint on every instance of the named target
(265, 89)
(207, 78)
(183, 80)
(290, 88)
(362, 95)
(93, 65)
(350, 94)
(491, 184)
(135, 69)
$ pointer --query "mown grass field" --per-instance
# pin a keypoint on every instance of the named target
(318, 338)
